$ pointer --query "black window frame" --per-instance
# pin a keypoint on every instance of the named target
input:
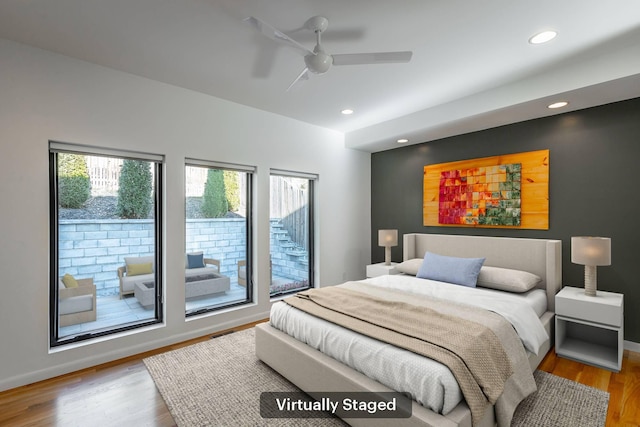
(312, 180)
(56, 148)
(250, 172)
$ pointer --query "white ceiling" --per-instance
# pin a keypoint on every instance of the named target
(472, 67)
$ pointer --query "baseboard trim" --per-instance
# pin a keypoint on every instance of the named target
(88, 362)
(632, 346)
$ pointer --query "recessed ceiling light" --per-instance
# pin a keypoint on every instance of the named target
(347, 111)
(402, 140)
(559, 104)
(543, 37)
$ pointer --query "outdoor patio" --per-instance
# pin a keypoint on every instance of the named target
(113, 311)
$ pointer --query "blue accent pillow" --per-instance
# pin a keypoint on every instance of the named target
(460, 271)
(195, 261)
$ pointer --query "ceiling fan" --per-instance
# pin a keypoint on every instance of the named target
(317, 61)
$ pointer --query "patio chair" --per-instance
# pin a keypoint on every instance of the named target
(242, 272)
(77, 304)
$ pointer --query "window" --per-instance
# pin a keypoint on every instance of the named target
(105, 241)
(292, 236)
(218, 236)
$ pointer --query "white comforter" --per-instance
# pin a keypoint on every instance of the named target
(509, 305)
(426, 381)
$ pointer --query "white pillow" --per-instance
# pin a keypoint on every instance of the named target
(506, 279)
(410, 267)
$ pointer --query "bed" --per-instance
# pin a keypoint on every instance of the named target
(311, 370)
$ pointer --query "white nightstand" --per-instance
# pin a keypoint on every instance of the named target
(590, 329)
(374, 270)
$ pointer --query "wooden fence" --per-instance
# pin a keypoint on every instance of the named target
(104, 173)
(290, 203)
(289, 196)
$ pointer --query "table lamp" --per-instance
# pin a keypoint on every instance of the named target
(590, 252)
(387, 238)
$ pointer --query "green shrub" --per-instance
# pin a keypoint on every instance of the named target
(214, 204)
(134, 191)
(232, 190)
(74, 186)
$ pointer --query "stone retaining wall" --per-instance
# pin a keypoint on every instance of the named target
(96, 248)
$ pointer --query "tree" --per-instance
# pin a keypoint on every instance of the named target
(215, 203)
(134, 191)
(74, 186)
(232, 190)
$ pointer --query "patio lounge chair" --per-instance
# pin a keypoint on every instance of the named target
(77, 304)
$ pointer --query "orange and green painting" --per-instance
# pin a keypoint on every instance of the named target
(487, 195)
(505, 191)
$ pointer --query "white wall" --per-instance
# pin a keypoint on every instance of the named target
(45, 96)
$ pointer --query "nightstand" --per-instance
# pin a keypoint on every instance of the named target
(375, 270)
(590, 329)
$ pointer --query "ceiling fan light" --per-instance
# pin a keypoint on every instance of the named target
(318, 63)
(543, 37)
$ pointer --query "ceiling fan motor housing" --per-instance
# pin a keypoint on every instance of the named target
(317, 24)
(318, 63)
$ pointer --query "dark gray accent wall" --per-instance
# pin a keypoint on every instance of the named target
(594, 189)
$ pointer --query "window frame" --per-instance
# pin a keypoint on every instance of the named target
(312, 180)
(250, 172)
(56, 148)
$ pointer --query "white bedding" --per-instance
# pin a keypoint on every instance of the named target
(513, 307)
(426, 381)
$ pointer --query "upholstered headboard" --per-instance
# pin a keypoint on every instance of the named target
(538, 256)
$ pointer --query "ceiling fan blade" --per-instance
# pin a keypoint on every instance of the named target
(275, 34)
(304, 75)
(371, 58)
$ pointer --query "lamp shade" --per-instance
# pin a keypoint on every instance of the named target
(593, 251)
(387, 238)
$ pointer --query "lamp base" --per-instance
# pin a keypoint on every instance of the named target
(590, 280)
(387, 255)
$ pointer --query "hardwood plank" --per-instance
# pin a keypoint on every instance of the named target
(623, 387)
(630, 403)
(122, 393)
(118, 393)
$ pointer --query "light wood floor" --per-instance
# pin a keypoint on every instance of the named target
(122, 393)
(623, 386)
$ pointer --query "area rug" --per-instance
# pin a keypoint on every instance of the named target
(218, 383)
(563, 403)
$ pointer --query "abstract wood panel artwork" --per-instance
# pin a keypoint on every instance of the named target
(480, 196)
(507, 191)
